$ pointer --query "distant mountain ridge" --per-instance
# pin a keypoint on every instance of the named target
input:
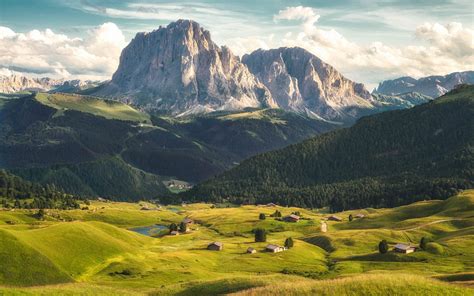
(432, 86)
(18, 83)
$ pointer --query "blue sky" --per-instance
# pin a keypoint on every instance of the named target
(366, 40)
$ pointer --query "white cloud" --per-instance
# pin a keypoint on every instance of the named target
(448, 48)
(47, 53)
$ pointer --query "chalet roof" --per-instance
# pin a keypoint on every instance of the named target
(293, 216)
(273, 247)
(334, 217)
(360, 215)
(250, 249)
(271, 205)
(174, 232)
(401, 246)
(219, 244)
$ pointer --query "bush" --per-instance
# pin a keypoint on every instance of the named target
(173, 227)
(434, 248)
(261, 216)
(350, 217)
(423, 242)
(260, 235)
(183, 227)
(383, 247)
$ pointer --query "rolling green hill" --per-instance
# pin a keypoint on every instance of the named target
(387, 159)
(96, 253)
(93, 147)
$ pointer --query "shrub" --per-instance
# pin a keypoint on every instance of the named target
(434, 248)
(383, 247)
(350, 217)
(423, 242)
(261, 216)
(260, 235)
(173, 227)
(183, 227)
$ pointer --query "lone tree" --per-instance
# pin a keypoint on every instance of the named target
(261, 216)
(423, 242)
(289, 243)
(183, 227)
(350, 217)
(173, 227)
(383, 247)
(260, 235)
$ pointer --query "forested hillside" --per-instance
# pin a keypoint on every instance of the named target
(18, 193)
(93, 147)
(387, 159)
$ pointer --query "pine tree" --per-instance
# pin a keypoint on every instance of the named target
(289, 243)
(261, 216)
(383, 247)
(260, 235)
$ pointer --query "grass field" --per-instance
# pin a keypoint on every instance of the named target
(105, 108)
(95, 253)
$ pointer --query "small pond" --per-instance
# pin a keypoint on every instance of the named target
(149, 230)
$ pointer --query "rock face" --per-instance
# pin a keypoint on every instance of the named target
(432, 86)
(180, 70)
(301, 82)
(16, 83)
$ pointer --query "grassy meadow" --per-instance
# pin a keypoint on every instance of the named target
(105, 108)
(92, 251)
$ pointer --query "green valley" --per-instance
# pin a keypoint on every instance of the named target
(99, 254)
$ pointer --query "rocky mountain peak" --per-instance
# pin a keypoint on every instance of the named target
(301, 82)
(180, 70)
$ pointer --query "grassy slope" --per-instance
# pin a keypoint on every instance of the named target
(105, 108)
(111, 260)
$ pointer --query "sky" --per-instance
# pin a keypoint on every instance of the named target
(367, 41)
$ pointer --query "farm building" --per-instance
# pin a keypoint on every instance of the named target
(324, 227)
(251, 250)
(215, 246)
(271, 205)
(360, 215)
(404, 248)
(174, 232)
(334, 218)
(274, 248)
(292, 218)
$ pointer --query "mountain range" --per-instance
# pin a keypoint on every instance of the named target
(179, 70)
(18, 83)
(432, 86)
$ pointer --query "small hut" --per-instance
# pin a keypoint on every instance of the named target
(360, 215)
(292, 218)
(404, 248)
(334, 218)
(174, 232)
(251, 250)
(215, 246)
(274, 248)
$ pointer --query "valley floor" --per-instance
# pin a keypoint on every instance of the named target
(93, 251)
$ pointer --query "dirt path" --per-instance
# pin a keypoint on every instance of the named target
(431, 223)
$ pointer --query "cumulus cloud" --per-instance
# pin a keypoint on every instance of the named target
(446, 48)
(48, 53)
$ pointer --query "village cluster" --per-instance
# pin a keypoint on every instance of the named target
(260, 234)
